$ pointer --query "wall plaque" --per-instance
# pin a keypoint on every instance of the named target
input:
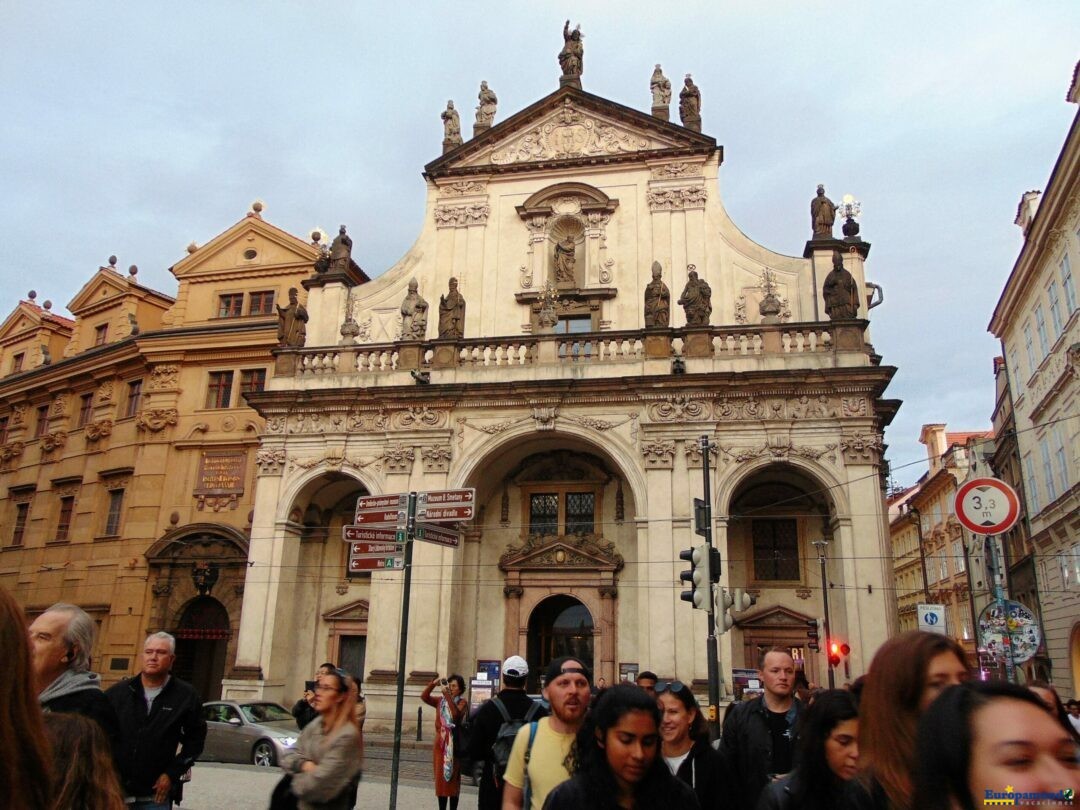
(221, 479)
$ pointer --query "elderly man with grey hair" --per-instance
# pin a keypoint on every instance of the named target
(61, 641)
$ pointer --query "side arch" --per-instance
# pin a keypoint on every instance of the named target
(830, 484)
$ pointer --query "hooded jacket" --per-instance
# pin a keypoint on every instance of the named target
(79, 692)
(149, 740)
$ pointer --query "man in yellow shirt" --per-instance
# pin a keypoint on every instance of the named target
(540, 757)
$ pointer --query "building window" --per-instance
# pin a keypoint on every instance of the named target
(958, 556)
(134, 398)
(262, 303)
(22, 515)
(3, 429)
(1014, 369)
(1055, 309)
(1040, 329)
(1067, 283)
(1060, 457)
(116, 508)
(943, 561)
(580, 511)
(63, 524)
(1048, 470)
(17, 362)
(219, 390)
(101, 333)
(1030, 347)
(1032, 484)
(567, 511)
(1070, 568)
(252, 380)
(231, 305)
(575, 325)
(86, 408)
(543, 513)
(42, 426)
(776, 549)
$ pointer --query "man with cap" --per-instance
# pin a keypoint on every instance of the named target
(510, 706)
(538, 761)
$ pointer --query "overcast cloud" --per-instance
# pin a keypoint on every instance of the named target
(134, 128)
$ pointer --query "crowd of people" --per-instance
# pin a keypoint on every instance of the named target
(917, 731)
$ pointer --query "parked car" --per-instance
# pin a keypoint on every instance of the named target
(255, 731)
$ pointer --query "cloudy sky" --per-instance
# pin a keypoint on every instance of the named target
(135, 127)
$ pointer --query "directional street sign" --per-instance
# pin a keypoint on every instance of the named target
(352, 534)
(376, 563)
(376, 549)
(439, 535)
(446, 497)
(368, 503)
(987, 506)
(445, 514)
(382, 517)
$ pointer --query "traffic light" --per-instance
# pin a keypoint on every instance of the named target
(724, 620)
(742, 601)
(812, 635)
(699, 576)
(838, 651)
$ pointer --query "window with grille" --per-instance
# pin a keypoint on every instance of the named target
(252, 380)
(86, 408)
(101, 334)
(544, 513)
(219, 389)
(776, 549)
(22, 515)
(63, 524)
(42, 426)
(580, 508)
(262, 303)
(134, 397)
(116, 507)
(231, 305)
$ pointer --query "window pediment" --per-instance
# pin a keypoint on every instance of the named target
(560, 552)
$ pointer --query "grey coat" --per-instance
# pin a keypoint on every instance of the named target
(338, 760)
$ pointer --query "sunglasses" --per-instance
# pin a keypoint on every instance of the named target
(670, 686)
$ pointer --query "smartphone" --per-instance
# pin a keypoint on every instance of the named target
(309, 686)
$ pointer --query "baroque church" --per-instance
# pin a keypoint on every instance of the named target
(576, 313)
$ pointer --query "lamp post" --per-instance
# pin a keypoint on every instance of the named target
(850, 209)
(821, 545)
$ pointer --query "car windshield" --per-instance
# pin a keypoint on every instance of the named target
(264, 713)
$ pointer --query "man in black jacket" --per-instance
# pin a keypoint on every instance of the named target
(759, 735)
(61, 640)
(488, 720)
(158, 714)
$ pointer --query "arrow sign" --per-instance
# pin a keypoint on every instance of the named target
(445, 514)
(446, 497)
(439, 535)
(376, 549)
(353, 534)
(382, 517)
(376, 563)
(367, 503)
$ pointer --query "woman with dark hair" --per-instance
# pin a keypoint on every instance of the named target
(684, 744)
(984, 741)
(826, 757)
(617, 759)
(83, 769)
(24, 752)
(1050, 698)
(450, 710)
(328, 755)
(907, 673)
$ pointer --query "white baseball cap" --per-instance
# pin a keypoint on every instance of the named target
(515, 666)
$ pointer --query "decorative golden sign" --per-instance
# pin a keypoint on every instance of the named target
(221, 474)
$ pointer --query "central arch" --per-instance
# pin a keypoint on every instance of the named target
(559, 625)
(202, 638)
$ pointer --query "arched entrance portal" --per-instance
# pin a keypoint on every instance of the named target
(202, 638)
(558, 626)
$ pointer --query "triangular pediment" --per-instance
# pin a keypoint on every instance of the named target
(251, 244)
(566, 127)
(102, 286)
(550, 552)
(28, 318)
(353, 612)
(773, 617)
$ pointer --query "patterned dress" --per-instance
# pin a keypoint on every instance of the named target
(447, 763)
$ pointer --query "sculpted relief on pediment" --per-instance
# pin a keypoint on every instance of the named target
(569, 133)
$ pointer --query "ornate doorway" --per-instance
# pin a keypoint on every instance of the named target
(202, 639)
(558, 626)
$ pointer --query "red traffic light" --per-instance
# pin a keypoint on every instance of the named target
(838, 650)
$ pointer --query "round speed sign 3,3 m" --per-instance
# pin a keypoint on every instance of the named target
(987, 506)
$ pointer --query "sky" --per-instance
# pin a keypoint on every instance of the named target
(134, 128)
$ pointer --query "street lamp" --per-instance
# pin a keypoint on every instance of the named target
(850, 210)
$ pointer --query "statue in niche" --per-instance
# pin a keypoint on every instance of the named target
(657, 301)
(840, 291)
(690, 103)
(822, 214)
(451, 125)
(292, 320)
(452, 313)
(572, 55)
(696, 299)
(565, 260)
(485, 113)
(340, 252)
(414, 313)
(661, 88)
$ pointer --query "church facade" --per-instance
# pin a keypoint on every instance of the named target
(577, 312)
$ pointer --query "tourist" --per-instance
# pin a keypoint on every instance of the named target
(328, 756)
(826, 757)
(83, 770)
(684, 745)
(618, 762)
(647, 680)
(983, 741)
(451, 709)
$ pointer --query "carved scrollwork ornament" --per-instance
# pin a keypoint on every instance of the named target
(679, 409)
(270, 461)
(436, 458)
(398, 459)
(658, 454)
(95, 431)
(53, 441)
(156, 419)
(862, 447)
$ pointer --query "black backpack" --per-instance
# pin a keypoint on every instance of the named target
(504, 738)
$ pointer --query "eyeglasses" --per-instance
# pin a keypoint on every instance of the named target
(670, 686)
(345, 679)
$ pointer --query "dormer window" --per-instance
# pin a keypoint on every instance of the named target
(17, 362)
(262, 303)
(101, 333)
(231, 305)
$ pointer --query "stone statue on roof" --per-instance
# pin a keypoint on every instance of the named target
(840, 291)
(451, 127)
(822, 214)
(414, 314)
(485, 112)
(572, 55)
(661, 88)
(657, 301)
(696, 299)
(341, 251)
(690, 104)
